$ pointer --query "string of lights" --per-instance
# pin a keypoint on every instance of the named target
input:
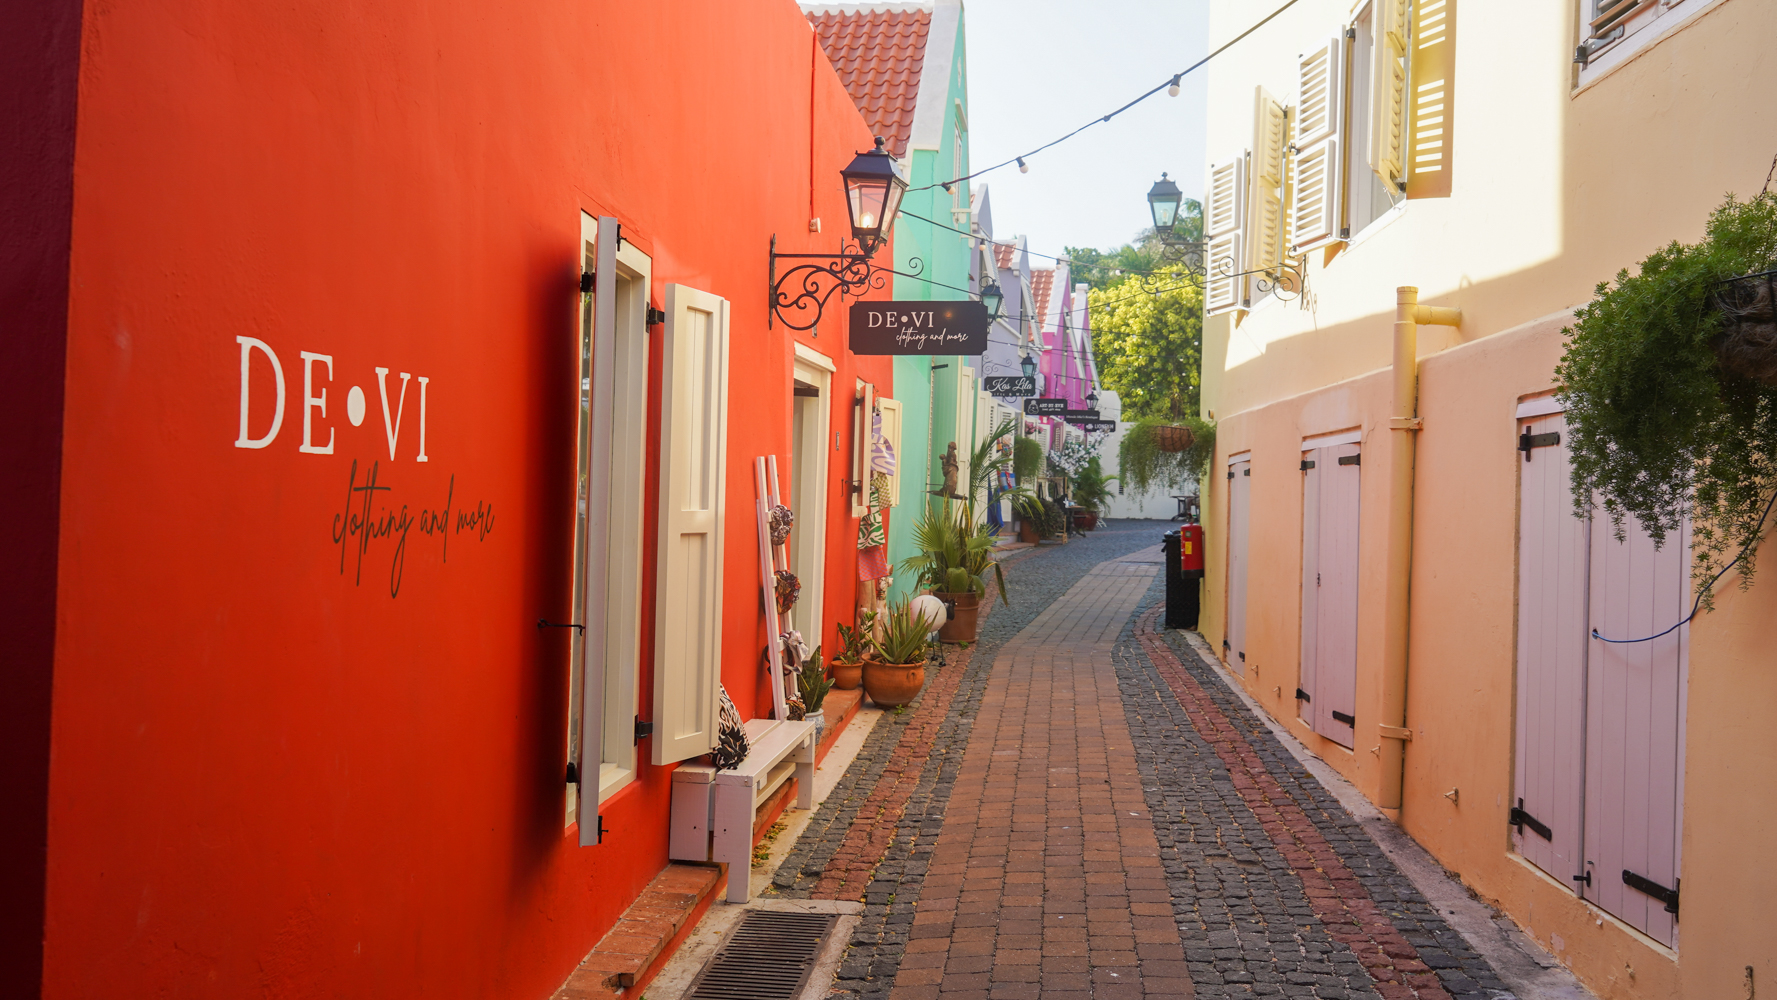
(1171, 86)
(1000, 243)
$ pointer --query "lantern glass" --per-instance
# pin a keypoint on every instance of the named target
(1163, 201)
(1029, 364)
(873, 189)
(992, 298)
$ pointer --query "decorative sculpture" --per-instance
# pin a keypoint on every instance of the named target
(952, 467)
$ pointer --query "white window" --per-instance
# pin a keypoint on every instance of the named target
(1374, 119)
(611, 435)
(1613, 31)
(1265, 204)
(1224, 213)
(811, 445)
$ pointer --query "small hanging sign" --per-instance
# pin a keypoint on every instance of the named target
(1010, 385)
(1044, 407)
(1076, 415)
(928, 328)
(1107, 426)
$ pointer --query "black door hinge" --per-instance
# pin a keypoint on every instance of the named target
(656, 316)
(1586, 878)
(1521, 819)
(1307, 463)
(1226, 644)
(1351, 460)
(1527, 441)
(602, 831)
(643, 729)
(1242, 655)
(573, 774)
(1350, 720)
(1302, 695)
(586, 281)
(1230, 473)
(1642, 884)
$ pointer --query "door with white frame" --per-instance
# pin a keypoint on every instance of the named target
(1326, 697)
(812, 445)
(1240, 495)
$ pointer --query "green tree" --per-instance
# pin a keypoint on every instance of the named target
(1149, 345)
(1104, 269)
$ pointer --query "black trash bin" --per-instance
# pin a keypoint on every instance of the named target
(1183, 605)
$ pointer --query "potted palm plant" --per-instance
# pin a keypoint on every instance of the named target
(895, 669)
(953, 562)
(1092, 490)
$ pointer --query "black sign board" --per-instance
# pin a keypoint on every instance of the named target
(1107, 426)
(1042, 407)
(1010, 385)
(1080, 414)
(929, 328)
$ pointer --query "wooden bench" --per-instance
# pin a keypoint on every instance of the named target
(714, 811)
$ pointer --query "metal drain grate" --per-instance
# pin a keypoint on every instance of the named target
(768, 957)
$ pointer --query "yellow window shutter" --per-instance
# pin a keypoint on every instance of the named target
(1433, 80)
(891, 430)
(1388, 94)
(1264, 222)
(1223, 218)
(1316, 202)
(693, 480)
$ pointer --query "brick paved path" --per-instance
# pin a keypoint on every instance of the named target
(1097, 815)
(1047, 875)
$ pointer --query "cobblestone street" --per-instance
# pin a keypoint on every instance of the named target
(1078, 806)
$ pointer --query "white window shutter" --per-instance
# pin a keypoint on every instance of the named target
(1223, 217)
(1432, 79)
(693, 478)
(598, 519)
(1264, 222)
(891, 430)
(1320, 122)
(1388, 94)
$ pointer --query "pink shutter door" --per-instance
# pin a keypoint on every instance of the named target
(1309, 672)
(1548, 766)
(1240, 493)
(1635, 724)
(1335, 696)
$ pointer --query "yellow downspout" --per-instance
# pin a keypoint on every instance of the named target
(1403, 424)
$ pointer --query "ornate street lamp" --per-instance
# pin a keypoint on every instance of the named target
(873, 190)
(1163, 202)
(1028, 363)
(992, 298)
(874, 185)
(1092, 399)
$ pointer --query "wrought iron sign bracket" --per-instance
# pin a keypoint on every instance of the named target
(800, 294)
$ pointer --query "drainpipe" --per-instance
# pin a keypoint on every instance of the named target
(1403, 424)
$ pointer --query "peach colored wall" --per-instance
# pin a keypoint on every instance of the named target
(1540, 174)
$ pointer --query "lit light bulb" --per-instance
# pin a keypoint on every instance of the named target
(1023, 167)
(1172, 91)
(867, 220)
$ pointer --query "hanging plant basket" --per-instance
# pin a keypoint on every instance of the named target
(1747, 344)
(1171, 438)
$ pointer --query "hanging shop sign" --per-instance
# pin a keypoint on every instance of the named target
(1107, 426)
(1079, 416)
(929, 328)
(1010, 385)
(1043, 407)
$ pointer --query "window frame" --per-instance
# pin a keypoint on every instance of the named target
(1667, 16)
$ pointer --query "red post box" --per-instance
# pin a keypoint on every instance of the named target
(1190, 550)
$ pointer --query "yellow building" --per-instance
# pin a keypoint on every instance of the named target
(1394, 569)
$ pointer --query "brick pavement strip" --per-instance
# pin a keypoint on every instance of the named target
(1046, 879)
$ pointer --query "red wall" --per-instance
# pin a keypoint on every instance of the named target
(39, 61)
(270, 776)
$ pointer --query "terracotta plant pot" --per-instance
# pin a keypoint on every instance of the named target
(1172, 439)
(891, 685)
(1088, 521)
(1027, 533)
(964, 620)
(847, 676)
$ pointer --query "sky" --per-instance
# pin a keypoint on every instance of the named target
(1039, 68)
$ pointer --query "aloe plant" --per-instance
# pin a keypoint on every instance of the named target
(904, 635)
(854, 640)
(955, 553)
(812, 682)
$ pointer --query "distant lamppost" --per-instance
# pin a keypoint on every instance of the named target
(1028, 363)
(873, 189)
(1092, 399)
(992, 298)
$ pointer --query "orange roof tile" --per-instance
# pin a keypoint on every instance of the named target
(1041, 281)
(879, 55)
(1003, 254)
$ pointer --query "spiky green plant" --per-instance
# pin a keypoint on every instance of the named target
(854, 640)
(987, 463)
(904, 635)
(1091, 487)
(955, 554)
(813, 683)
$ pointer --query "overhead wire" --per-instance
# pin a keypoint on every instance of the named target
(1171, 82)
